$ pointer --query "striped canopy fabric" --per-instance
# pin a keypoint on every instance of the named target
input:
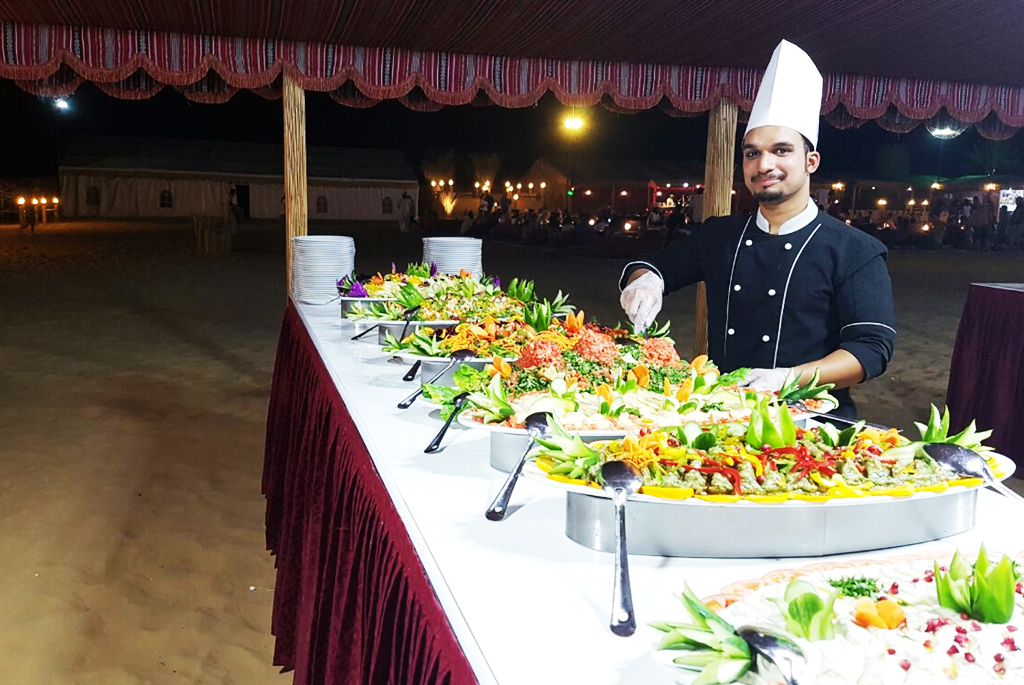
(899, 64)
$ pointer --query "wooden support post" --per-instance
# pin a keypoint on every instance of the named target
(295, 195)
(718, 178)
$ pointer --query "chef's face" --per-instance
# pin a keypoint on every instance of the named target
(776, 166)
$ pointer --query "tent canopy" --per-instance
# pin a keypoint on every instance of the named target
(898, 63)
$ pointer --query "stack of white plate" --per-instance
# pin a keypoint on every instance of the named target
(452, 255)
(318, 261)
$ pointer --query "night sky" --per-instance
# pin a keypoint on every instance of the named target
(36, 133)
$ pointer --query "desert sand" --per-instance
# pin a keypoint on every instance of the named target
(134, 378)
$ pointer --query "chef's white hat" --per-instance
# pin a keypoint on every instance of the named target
(790, 93)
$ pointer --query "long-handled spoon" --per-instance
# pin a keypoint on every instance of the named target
(778, 649)
(965, 462)
(411, 373)
(407, 315)
(457, 403)
(621, 480)
(537, 426)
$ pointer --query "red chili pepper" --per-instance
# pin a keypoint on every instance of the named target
(730, 473)
(668, 462)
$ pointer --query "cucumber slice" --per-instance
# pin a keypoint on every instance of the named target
(555, 405)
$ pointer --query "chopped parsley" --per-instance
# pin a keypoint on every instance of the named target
(856, 587)
(529, 380)
(593, 372)
(660, 373)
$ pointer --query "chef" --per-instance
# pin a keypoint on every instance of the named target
(789, 288)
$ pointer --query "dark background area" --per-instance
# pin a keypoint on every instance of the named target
(36, 133)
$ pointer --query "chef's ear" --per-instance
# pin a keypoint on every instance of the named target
(813, 161)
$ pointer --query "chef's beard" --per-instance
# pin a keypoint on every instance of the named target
(774, 195)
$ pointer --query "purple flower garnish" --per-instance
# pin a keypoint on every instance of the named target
(433, 269)
(393, 268)
(357, 290)
(497, 282)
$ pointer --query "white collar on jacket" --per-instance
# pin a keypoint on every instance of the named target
(791, 226)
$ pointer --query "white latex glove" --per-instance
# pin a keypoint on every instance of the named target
(641, 300)
(766, 379)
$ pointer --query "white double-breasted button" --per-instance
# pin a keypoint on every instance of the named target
(737, 287)
(789, 246)
(749, 243)
(771, 292)
(732, 331)
(766, 338)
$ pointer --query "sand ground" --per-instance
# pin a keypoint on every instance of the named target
(134, 377)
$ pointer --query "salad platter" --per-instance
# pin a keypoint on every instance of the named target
(726, 491)
(911, 619)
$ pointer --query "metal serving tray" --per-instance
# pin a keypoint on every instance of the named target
(695, 528)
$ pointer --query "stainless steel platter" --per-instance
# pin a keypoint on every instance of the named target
(697, 528)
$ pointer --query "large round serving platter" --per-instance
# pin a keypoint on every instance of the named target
(396, 327)
(347, 302)
(699, 528)
(430, 366)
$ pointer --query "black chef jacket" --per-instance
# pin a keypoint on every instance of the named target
(784, 300)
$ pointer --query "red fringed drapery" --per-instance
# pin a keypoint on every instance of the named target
(55, 60)
(352, 602)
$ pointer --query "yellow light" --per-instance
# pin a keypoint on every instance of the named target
(627, 226)
(926, 228)
(55, 200)
(42, 200)
(838, 185)
(883, 202)
(909, 188)
(451, 182)
(658, 194)
(572, 123)
(990, 186)
(936, 186)
(543, 185)
(515, 196)
(477, 184)
(433, 184)
(623, 193)
(732, 192)
(519, 186)
(35, 201)
(924, 202)
(530, 186)
(21, 200)
(847, 222)
(592, 222)
(911, 203)
(586, 192)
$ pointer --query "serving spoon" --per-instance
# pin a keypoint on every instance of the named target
(537, 426)
(457, 356)
(621, 480)
(778, 649)
(407, 315)
(457, 403)
(411, 373)
(965, 462)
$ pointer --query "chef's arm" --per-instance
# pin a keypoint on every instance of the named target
(841, 368)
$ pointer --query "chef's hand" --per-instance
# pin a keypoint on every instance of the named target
(641, 299)
(766, 379)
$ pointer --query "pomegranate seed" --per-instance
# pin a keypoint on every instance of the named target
(890, 651)
(1010, 644)
(928, 645)
(934, 624)
(1012, 629)
(1020, 588)
(895, 589)
(943, 569)
(968, 657)
(1000, 669)
(915, 580)
(881, 597)
(960, 640)
(963, 617)
(905, 665)
(999, 658)
(952, 650)
(760, 480)
(961, 630)
(975, 626)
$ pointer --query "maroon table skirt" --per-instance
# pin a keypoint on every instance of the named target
(987, 368)
(352, 602)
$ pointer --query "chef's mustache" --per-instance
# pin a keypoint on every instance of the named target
(765, 177)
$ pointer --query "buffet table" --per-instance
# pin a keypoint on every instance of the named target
(388, 571)
(986, 367)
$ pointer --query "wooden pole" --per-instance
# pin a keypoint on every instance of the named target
(718, 179)
(295, 195)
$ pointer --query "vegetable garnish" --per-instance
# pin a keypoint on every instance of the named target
(984, 592)
(806, 614)
(711, 644)
(885, 614)
(858, 586)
